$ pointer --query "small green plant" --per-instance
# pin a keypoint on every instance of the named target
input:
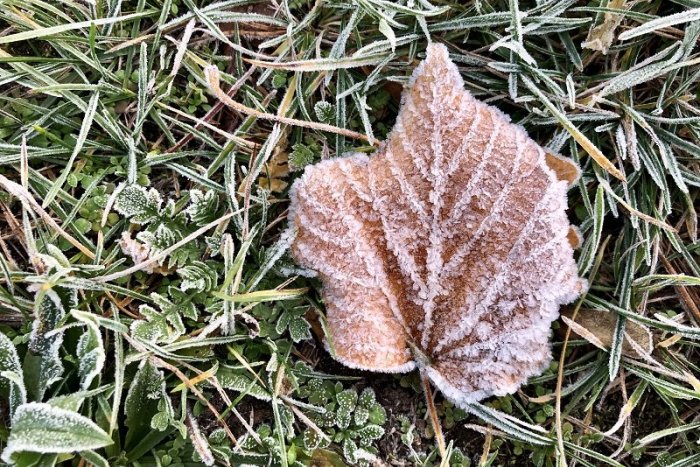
(352, 421)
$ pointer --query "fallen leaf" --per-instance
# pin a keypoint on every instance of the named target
(448, 249)
(276, 171)
(598, 326)
(136, 250)
(601, 37)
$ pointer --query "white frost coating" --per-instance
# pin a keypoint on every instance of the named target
(451, 241)
(11, 376)
(403, 368)
(90, 352)
(50, 313)
(40, 427)
(199, 441)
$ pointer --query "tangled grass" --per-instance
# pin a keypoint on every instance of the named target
(150, 315)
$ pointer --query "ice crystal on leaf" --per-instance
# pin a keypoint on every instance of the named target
(448, 249)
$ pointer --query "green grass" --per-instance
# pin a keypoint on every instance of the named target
(110, 133)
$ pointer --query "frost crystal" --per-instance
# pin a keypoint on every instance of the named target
(448, 249)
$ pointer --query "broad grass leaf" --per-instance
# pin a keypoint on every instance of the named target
(74, 400)
(39, 427)
(94, 459)
(90, 350)
(663, 22)
(42, 364)
(229, 379)
(11, 380)
(141, 402)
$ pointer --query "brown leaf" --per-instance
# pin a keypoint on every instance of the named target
(601, 37)
(563, 167)
(598, 326)
(447, 249)
(276, 171)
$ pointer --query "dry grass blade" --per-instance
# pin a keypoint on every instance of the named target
(212, 76)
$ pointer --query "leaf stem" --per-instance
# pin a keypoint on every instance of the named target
(434, 420)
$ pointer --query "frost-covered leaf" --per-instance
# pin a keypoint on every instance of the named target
(300, 157)
(325, 111)
(299, 329)
(94, 459)
(91, 355)
(155, 327)
(165, 417)
(57, 255)
(369, 433)
(166, 324)
(346, 400)
(367, 398)
(137, 203)
(42, 364)
(214, 244)
(286, 417)
(158, 238)
(229, 379)
(343, 419)
(199, 442)
(350, 450)
(74, 400)
(90, 351)
(446, 249)
(203, 206)
(294, 321)
(663, 22)
(318, 391)
(199, 276)
(178, 303)
(141, 402)
(360, 415)
(11, 378)
(160, 421)
(162, 235)
(327, 419)
(312, 439)
(42, 428)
